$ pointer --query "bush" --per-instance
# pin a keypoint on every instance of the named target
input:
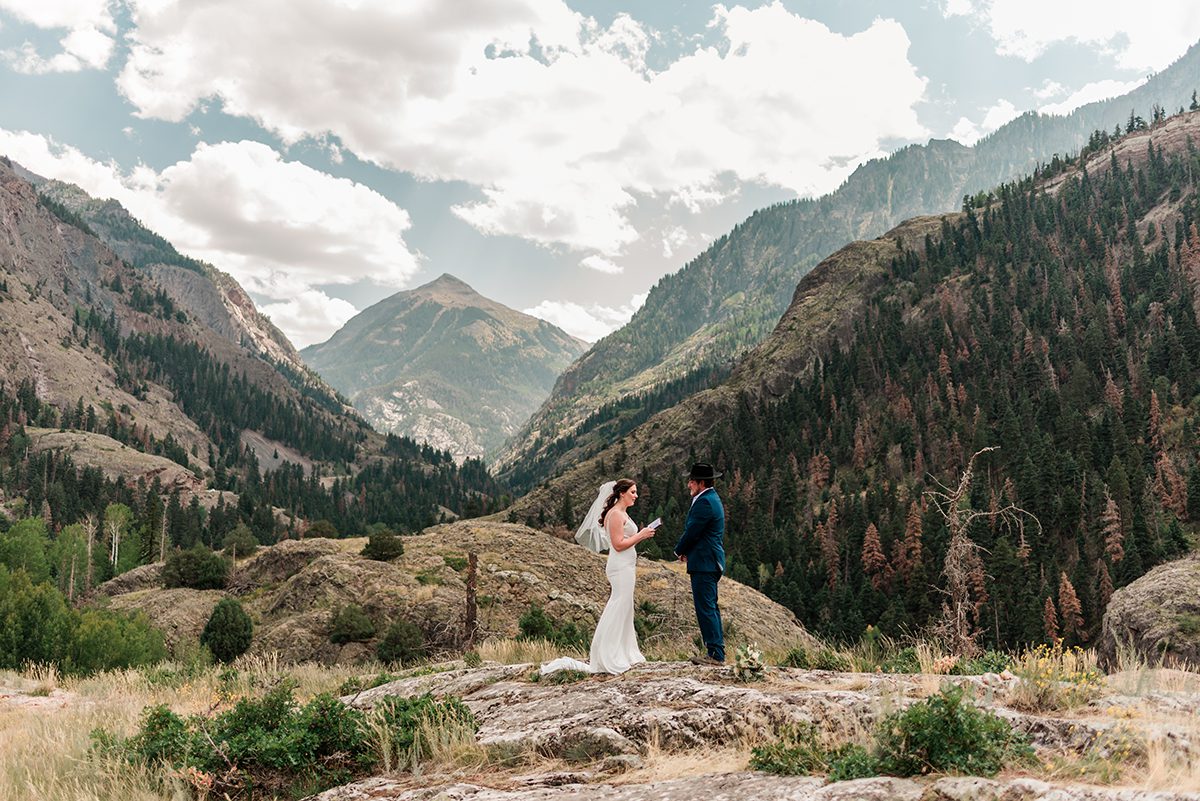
(351, 624)
(537, 625)
(798, 752)
(269, 746)
(946, 733)
(851, 761)
(903, 661)
(105, 640)
(383, 546)
(197, 568)
(240, 541)
(987, 662)
(404, 642)
(228, 631)
(403, 716)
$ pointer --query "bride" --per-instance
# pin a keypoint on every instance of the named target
(607, 526)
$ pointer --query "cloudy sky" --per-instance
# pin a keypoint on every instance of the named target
(559, 155)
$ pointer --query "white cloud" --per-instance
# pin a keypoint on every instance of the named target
(673, 239)
(280, 228)
(969, 133)
(1049, 89)
(1097, 90)
(86, 45)
(310, 317)
(602, 265)
(1140, 36)
(588, 323)
(959, 8)
(556, 119)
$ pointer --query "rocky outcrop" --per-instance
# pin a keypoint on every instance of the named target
(272, 566)
(144, 577)
(292, 590)
(599, 726)
(742, 786)
(1157, 616)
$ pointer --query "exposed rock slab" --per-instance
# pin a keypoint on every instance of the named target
(743, 786)
(1158, 616)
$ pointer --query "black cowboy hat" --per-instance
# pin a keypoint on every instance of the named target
(702, 471)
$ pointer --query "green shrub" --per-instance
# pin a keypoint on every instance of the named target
(851, 761)
(748, 664)
(987, 662)
(383, 546)
(567, 676)
(265, 747)
(535, 624)
(821, 659)
(197, 568)
(228, 631)
(404, 642)
(403, 716)
(903, 661)
(798, 752)
(351, 624)
(456, 563)
(946, 733)
(105, 640)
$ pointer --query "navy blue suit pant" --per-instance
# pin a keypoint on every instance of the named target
(708, 614)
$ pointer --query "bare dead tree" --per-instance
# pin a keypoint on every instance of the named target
(963, 567)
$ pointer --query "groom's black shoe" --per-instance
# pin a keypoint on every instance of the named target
(705, 659)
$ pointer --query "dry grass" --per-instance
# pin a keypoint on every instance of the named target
(661, 765)
(1133, 675)
(1167, 767)
(521, 652)
(45, 750)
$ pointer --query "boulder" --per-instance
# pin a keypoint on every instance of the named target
(1157, 616)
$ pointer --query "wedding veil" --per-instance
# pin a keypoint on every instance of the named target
(591, 534)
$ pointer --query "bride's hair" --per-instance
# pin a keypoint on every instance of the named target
(618, 490)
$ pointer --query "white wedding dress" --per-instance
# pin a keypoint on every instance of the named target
(614, 645)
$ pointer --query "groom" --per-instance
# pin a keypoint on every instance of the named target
(701, 549)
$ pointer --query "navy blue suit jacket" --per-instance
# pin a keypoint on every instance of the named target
(704, 534)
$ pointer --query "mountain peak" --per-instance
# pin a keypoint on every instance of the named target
(447, 287)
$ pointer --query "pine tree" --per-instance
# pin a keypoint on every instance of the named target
(1069, 608)
(908, 555)
(1050, 619)
(1114, 536)
(874, 562)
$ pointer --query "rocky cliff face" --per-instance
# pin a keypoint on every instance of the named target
(444, 365)
(214, 298)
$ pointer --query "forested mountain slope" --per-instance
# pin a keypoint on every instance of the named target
(1056, 323)
(697, 321)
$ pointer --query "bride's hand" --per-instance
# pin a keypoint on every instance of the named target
(647, 533)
